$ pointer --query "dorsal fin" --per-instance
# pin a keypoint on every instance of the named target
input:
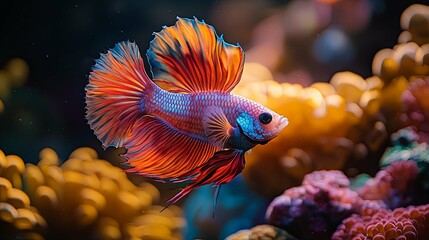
(191, 57)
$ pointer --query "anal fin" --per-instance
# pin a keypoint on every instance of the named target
(156, 150)
(220, 169)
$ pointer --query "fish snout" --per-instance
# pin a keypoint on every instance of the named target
(283, 122)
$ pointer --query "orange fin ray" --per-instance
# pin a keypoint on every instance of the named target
(191, 57)
(220, 169)
(116, 86)
(216, 126)
(156, 150)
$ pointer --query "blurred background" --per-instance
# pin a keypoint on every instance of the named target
(318, 62)
(59, 41)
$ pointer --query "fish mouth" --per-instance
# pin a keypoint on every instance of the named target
(250, 139)
(282, 123)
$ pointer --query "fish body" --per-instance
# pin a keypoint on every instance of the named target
(185, 112)
(183, 124)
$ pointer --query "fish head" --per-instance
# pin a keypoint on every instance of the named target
(260, 124)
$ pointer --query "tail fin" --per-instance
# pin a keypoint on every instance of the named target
(116, 87)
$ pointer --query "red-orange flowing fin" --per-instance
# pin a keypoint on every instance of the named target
(220, 169)
(116, 86)
(156, 150)
(191, 57)
(216, 126)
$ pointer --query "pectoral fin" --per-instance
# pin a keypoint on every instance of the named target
(216, 126)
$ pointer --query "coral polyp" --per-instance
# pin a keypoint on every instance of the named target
(401, 223)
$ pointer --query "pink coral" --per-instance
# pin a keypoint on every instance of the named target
(403, 173)
(416, 107)
(326, 179)
(392, 184)
(401, 223)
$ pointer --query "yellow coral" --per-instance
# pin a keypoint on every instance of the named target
(84, 196)
(415, 22)
(407, 59)
(90, 191)
(15, 205)
(410, 57)
(343, 120)
(329, 124)
(261, 232)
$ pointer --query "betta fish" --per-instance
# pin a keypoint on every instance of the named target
(184, 124)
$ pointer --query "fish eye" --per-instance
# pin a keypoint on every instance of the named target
(265, 118)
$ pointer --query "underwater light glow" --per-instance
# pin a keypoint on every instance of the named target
(333, 45)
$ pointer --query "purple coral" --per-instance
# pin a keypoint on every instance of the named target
(314, 209)
(400, 224)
